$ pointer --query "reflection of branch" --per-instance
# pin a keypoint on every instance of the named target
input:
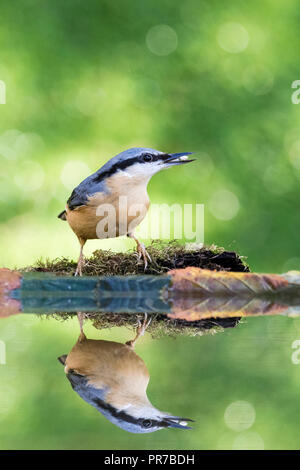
(9, 281)
(190, 308)
(200, 293)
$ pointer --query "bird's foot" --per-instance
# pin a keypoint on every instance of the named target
(140, 331)
(80, 265)
(143, 253)
(142, 327)
(78, 271)
(81, 317)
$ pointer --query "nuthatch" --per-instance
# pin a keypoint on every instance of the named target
(111, 377)
(116, 189)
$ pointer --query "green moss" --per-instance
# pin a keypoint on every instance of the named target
(164, 255)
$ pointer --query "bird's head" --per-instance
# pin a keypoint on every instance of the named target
(145, 418)
(143, 162)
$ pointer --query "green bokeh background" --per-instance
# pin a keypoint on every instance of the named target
(85, 80)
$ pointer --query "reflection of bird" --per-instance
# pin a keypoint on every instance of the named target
(113, 378)
(114, 200)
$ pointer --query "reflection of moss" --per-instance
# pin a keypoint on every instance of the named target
(165, 256)
(162, 326)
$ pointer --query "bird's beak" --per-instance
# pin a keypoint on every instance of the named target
(176, 422)
(178, 158)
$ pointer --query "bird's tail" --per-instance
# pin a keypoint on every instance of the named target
(62, 215)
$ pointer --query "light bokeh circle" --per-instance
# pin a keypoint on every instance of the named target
(233, 37)
(161, 40)
(239, 415)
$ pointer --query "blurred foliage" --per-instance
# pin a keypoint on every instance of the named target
(86, 80)
(82, 85)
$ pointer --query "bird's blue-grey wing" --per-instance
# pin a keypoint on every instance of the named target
(81, 386)
(84, 191)
(80, 195)
(97, 398)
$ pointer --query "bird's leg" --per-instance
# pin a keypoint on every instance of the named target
(80, 263)
(141, 249)
(81, 317)
(140, 331)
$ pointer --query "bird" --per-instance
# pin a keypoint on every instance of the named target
(104, 205)
(111, 377)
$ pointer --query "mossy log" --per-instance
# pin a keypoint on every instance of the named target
(165, 257)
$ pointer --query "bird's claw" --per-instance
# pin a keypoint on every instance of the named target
(138, 323)
(140, 330)
(81, 317)
(142, 252)
(78, 272)
(80, 265)
(142, 327)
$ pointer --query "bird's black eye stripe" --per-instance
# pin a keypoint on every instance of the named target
(100, 176)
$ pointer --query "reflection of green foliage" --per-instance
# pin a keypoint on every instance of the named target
(83, 85)
(192, 377)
